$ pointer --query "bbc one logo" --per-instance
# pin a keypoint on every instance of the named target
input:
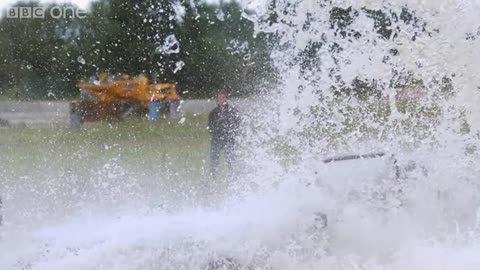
(40, 13)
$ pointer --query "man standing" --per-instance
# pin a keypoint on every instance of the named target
(223, 126)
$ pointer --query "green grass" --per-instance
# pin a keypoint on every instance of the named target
(53, 172)
(179, 150)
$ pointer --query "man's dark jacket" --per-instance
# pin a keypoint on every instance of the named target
(224, 124)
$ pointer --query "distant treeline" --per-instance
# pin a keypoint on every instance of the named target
(203, 48)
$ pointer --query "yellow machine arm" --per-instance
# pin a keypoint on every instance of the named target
(137, 89)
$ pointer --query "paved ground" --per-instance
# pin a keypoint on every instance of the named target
(34, 114)
(57, 114)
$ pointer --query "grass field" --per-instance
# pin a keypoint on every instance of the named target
(161, 162)
(133, 142)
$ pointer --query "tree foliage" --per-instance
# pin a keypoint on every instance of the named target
(216, 49)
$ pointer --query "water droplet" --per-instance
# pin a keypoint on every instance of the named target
(220, 15)
(171, 45)
(178, 66)
(81, 60)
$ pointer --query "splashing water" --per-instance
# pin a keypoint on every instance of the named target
(346, 67)
(178, 66)
(81, 60)
(171, 45)
(355, 76)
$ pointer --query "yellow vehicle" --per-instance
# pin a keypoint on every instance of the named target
(111, 100)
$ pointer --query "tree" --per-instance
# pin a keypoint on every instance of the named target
(207, 48)
(221, 52)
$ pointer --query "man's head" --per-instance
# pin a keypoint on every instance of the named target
(221, 99)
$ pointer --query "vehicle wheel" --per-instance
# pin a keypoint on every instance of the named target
(76, 115)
